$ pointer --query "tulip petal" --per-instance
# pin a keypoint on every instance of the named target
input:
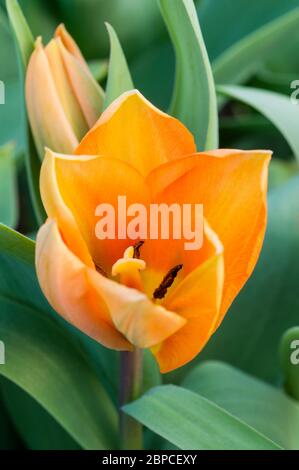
(134, 131)
(69, 43)
(88, 92)
(48, 120)
(64, 89)
(57, 209)
(79, 185)
(142, 322)
(65, 281)
(232, 186)
(197, 299)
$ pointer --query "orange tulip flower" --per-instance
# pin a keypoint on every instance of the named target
(157, 295)
(63, 99)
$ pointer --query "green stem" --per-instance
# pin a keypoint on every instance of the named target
(130, 390)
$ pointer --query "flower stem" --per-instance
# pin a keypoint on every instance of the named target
(130, 389)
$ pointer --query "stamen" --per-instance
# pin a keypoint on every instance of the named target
(100, 270)
(137, 247)
(167, 282)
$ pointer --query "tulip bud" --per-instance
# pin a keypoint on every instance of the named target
(63, 99)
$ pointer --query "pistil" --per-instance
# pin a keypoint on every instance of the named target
(128, 268)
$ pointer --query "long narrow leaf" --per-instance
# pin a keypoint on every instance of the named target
(119, 78)
(239, 61)
(278, 108)
(194, 98)
(190, 421)
(21, 30)
(25, 46)
(256, 403)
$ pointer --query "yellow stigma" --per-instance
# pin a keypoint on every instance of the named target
(129, 269)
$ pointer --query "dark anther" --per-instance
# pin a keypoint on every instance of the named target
(100, 270)
(137, 247)
(168, 280)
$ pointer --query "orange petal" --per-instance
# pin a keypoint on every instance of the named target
(133, 130)
(79, 185)
(57, 209)
(142, 322)
(48, 120)
(64, 89)
(232, 186)
(66, 283)
(197, 299)
(88, 92)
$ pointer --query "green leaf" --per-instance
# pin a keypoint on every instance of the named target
(268, 305)
(8, 437)
(9, 67)
(251, 17)
(190, 421)
(194, 98)
(239, 61)
(158, 61)
(36, 427)
(256, 403)
(119, 78)
(23, 35)
(25, 46)
(8, 187)
(41, 356)
(278, 108)
(289, 352)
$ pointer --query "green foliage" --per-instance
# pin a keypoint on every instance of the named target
(8, 186)
(25, 46)
(37, 428)
(289, 351)
(279, 109)
(239, 61)
(190, 421)
(194, 98)
(60, 378)
(21, 30)
(264, 408)
(119, 78)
